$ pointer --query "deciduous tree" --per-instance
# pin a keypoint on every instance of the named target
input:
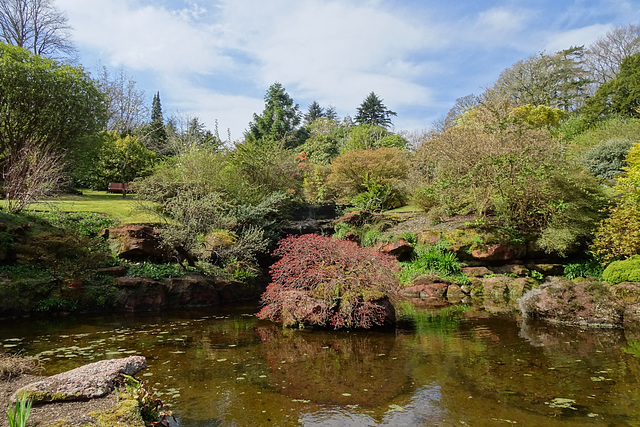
(558, 80)
(126, 103)
(45, 102)
(605, 55)
(329, 282)
(36, 25)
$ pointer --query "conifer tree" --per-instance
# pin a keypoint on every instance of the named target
(279, 120)
(157, 133)
(372, 111)
(315, 112)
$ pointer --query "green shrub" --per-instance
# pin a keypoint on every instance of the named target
(377, 197)
(409, 237)
(87, 224)
(351, 171)
(435, 259)
(341, 229)
(607, 160)
(372, 237)
(591, 268)
(490, 164)
(615, 128)
(627, 270)
(56, 305)
(618, 235)
(155, 271)
(425, 197)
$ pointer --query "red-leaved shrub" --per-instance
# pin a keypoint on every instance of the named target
(328, 282)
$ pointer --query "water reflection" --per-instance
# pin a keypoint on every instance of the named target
(460, 364)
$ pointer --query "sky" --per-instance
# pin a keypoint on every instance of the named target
(215, 59)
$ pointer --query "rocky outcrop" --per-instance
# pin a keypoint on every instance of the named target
(586, 303)
(493, 286)
(401, 249)
(136, 243)
(143, 294)
(499, 252)
(476, 271)
(86, 382)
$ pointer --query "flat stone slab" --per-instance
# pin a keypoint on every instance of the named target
(86, 382)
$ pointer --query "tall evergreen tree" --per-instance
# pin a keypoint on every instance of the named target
(372, 111)
(279, 120)
(330, 113)
(157, 133)
(315, 112)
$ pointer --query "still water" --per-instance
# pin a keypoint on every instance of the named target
(460, 366)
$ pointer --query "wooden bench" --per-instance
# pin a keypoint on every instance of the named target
(116, 187)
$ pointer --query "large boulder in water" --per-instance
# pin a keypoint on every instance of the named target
(86, 382)
(587, 303)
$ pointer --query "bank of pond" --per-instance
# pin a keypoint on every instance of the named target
(476, 364)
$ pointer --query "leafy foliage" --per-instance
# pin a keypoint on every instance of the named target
(433, 259)
(38, 98)
(608, 159)
(370, 137)
(627, 270)
(323, 281)
(155, 271)
(618, 96)
(377, 197)
(618, 235)
(512, 168)
(118, 160)
(590, 268)
(351, 171)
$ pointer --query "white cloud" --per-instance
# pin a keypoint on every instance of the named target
(215, 59)
(576, 37)
(145, 37)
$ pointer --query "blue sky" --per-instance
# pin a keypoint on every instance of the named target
(215, 59)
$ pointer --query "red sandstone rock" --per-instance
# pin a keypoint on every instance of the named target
(399, 249)
(137, 243)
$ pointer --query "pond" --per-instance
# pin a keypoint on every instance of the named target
(460, 366)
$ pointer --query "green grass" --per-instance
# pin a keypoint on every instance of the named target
(405, 209)
(125, 210)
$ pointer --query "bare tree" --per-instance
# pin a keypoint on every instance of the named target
(36, 25)
(126, 104)
(31, 172)
(605, 55)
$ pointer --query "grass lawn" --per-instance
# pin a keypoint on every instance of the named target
(405, 209)
(124, 210)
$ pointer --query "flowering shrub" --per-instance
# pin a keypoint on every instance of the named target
(327, 282)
